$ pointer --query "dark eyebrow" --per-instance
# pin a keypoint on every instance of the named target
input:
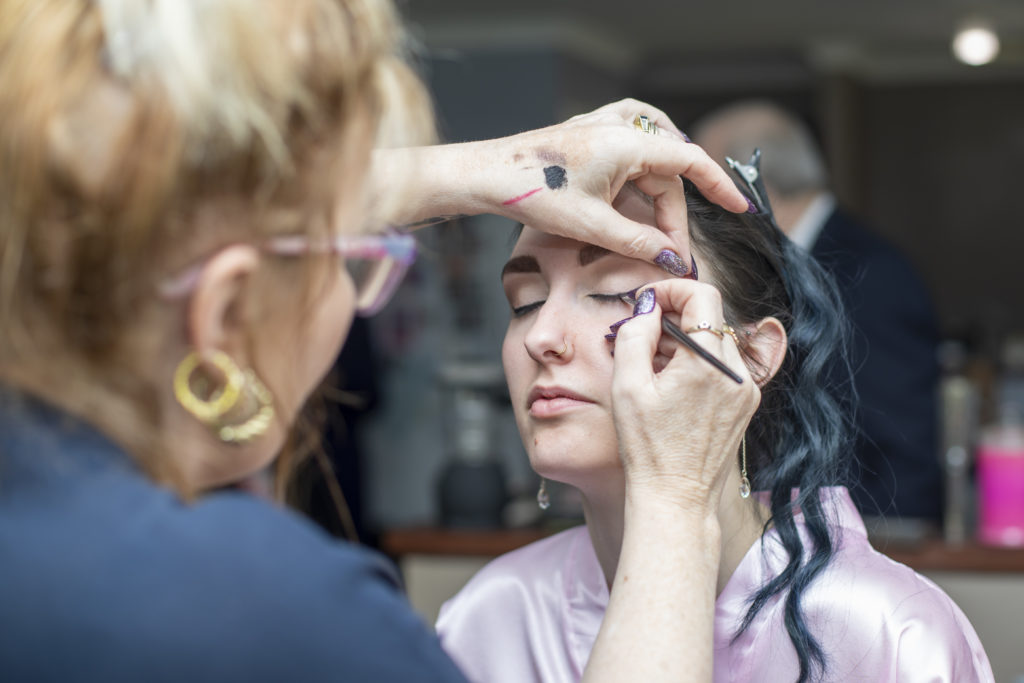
(590, 253)
(520, 264)
(528, 264)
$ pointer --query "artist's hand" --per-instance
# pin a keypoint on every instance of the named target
(563, 179)
(679, 428)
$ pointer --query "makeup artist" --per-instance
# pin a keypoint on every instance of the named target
(179, 183)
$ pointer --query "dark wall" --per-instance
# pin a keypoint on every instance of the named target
(943, 178)
(938, 169)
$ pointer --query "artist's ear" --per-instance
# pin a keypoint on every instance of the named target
(218, 309)
(766, 349)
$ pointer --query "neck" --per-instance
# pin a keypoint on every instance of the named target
(603, 504)
(788, 210)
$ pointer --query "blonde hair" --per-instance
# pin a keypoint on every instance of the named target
(121, 119)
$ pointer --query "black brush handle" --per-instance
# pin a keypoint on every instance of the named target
(686, 341)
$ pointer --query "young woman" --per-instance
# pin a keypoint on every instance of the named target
(185, 236)
(801, 595)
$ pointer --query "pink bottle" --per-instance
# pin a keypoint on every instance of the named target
(1001, 481)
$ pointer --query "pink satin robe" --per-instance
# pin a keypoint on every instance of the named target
(533, 615)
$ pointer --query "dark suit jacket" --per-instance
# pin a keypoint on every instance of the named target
(896, 372)
(105, 576)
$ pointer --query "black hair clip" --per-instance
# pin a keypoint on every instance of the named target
(749, 176)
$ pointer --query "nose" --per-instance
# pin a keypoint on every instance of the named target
(549, 339)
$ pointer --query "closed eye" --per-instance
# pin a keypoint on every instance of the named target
(619, 298)
(519, 311)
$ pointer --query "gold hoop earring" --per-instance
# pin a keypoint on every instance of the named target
(744, 482)
(212, 411)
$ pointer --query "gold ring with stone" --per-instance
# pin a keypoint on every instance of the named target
(644, 124)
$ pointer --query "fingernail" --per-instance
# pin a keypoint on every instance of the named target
(611, 337)
(614, 327)
(670, 261)
(644, 302)
(685, 136)
(750, 206)
(693, 269)
(630, 296)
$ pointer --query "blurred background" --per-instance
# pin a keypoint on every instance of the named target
(925, 146)
(928, 149)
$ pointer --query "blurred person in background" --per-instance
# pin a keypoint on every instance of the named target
(894, 344)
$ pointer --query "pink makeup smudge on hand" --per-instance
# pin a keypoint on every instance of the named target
(521, 197)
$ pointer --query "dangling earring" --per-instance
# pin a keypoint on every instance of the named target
(744, 482)
(543, 501)
(213, 410)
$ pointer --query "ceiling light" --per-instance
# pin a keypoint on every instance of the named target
(975, 44)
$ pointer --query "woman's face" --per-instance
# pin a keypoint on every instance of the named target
(564, 295)
(305, 310)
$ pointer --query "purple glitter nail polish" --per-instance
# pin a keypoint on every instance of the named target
(670, 261)
(750, 206)
(644, 303)
(611, 337)
(693, 269)
(614, 327)
(686, 137)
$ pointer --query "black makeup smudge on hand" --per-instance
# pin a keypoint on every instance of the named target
(555, 177)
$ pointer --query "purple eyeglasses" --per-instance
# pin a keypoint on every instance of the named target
(375, 262)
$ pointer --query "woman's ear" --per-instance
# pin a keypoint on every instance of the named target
(217, 309)
(766, 349)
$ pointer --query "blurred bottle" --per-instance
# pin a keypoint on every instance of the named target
(958, 414)
(471, 489)
(1001, 456)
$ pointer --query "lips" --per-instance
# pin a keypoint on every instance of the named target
(551, 401)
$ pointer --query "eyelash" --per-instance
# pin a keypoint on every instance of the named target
(520, 311)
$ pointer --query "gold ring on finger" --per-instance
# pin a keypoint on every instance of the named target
(705, 326)
(643, 123)
(728, 329)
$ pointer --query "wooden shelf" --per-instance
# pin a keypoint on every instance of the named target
(470, 542)
(935, 555)
(925, 556)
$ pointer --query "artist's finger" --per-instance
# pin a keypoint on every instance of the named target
(602, 225)
(669, 205)
(628, 108)
(698, 304)
(668, 156)
(635, 348)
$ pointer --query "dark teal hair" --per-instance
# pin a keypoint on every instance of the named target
(796, 436)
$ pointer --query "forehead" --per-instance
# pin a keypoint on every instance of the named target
(630, 202)
(532, 241)
(540, 252)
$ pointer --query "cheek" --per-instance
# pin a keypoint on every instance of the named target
(336, 311)
(319, 335)
(513, 357)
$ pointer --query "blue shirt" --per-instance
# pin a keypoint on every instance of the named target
(106, 576)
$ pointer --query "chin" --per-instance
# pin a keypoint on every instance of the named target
(569, 454)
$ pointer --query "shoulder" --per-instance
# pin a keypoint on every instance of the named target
(222, 588)
(848, 244)
(529, 615)
(516, 579)
(880, 285)
(286, 597)
(879, 619)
